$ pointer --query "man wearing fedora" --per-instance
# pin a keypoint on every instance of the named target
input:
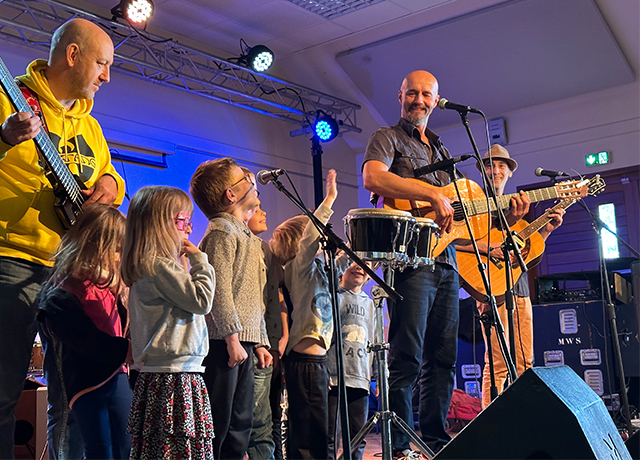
(500, 167)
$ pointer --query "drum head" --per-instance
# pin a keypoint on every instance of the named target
(380, 213)
(379, 235)
(423, 221)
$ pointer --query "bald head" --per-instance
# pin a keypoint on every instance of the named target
(85, 34)
(419, 77)
(418, 96)
(79, 61)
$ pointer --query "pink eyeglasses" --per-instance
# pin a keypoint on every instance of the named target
(183, 221)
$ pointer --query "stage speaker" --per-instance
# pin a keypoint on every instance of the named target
(31, 423)
(546, 413)
(574, 334)
(470, 358)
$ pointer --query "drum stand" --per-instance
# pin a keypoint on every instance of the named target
(384, 415)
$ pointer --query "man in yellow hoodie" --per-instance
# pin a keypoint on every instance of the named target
(79, 60)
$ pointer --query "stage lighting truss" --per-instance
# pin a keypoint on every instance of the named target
(325, 127)
(168, 63)
(135, 11)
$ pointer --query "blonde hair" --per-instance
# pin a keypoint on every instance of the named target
(209, 185)
(151, 230)
(89, 250)
(285, 240)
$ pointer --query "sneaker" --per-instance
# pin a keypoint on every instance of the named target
(408, 454)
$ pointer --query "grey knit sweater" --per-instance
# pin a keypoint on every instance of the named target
(236, 256)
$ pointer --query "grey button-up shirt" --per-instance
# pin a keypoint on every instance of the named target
(401, 148)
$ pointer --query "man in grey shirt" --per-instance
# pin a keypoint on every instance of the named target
(423, 327)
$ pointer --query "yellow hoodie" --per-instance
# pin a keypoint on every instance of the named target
(29, 227)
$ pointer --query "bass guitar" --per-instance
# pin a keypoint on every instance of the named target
(529, 241)
(477, 207)
(67, 187)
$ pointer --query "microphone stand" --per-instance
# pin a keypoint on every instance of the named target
(598, 225)
(509, 296)
(492, 320)
(332, 243)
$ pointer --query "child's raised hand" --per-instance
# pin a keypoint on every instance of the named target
(188, 248)
(331, 188)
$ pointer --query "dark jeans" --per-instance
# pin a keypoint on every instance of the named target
(358, 408)
(307, 388)
(423, 342)
(63, 431)
(20, 283)
(102, 415)
(231, 395)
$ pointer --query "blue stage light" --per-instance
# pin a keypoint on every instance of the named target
(325, 127)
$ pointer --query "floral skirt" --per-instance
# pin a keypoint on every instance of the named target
(171, 417)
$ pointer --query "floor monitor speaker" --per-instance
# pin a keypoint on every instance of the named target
(548, 412)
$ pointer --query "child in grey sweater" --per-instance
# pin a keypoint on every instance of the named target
(225, 193)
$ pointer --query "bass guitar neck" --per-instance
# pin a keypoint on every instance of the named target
(67, 187)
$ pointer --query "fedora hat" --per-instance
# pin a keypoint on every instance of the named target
(498, 152)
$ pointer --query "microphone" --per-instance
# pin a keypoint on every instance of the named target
(549, 173)
(444, 104)
(264, 177)
(440, 165)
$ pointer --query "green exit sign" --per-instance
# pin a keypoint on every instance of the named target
(600, 158)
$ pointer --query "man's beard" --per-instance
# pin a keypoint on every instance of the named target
(416, 121)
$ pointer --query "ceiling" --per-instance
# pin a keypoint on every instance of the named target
(498, 56)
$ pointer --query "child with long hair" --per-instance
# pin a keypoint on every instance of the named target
(170, 413)
(84, 323)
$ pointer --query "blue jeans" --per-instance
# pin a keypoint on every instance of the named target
(102, 415)
(275, 398)
(261, 445)
(63, 433)
(423, 342)
(20, 283)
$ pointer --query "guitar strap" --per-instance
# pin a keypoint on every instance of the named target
(34, 103)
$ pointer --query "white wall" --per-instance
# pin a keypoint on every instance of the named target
(558, 135)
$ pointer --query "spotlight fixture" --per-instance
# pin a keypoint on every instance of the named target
(325, 127)
(135, 11)
(258, 58)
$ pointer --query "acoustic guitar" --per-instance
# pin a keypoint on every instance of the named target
(477, 207)
(529, 241)
(66, 186)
